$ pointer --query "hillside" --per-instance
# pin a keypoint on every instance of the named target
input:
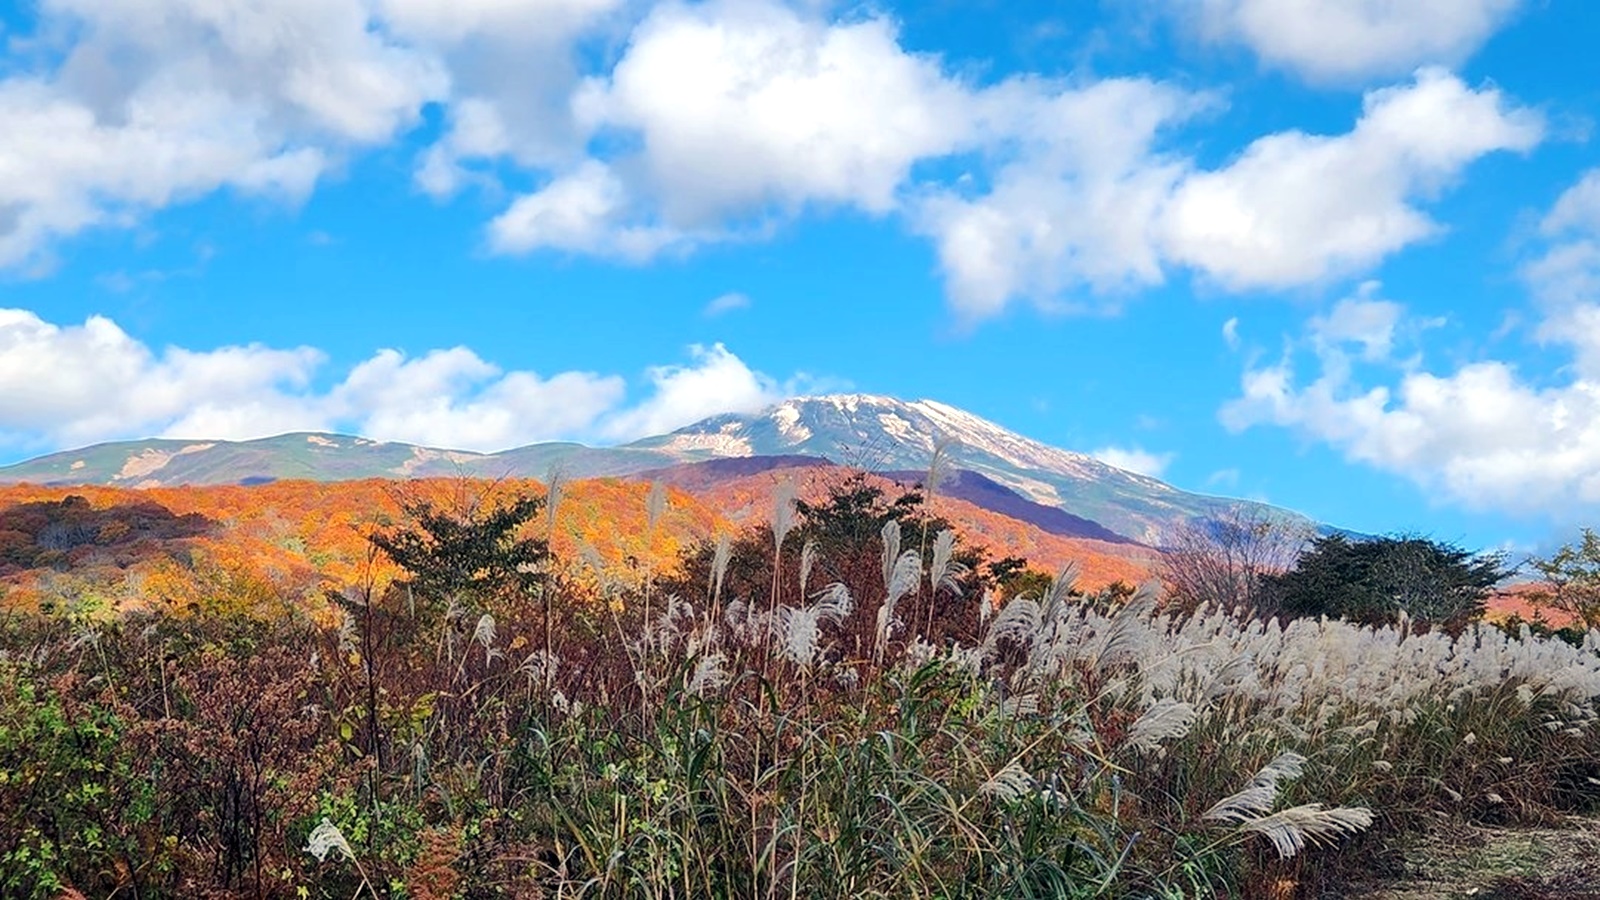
(744, 494)
(293, 540)
(1090, 498)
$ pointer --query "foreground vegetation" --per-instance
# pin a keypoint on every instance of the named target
(842, 703)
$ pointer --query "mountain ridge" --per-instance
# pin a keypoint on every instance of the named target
(871, 432)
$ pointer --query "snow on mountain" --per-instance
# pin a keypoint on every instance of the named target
(883, 433)
(880, 434)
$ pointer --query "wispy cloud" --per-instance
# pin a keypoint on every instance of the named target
(1135, 459)
(726, 303)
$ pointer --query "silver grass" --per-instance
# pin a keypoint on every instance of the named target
(556, 481)
(945, 571)
(1020, 705)
(326, 838)
(1060, 591)
(800, 630)
(985, 607)
(347, 634)
(783, 519)
(891, 551)
(540, 667)
(1125, 636)
(668, 626)
(907, 572)
(903, 577)
(655, 503)
(420, 764)
(1010, 784)
(719, 566)
(1230, 675)
(1291, 829)
(1261, 793)
(85, 636)
(483, 632)
(591, 557)
(710, 675)
(1166, 719)
(808, 559)
(938, 466)
(1018, 622)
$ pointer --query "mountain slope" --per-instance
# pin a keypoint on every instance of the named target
(881, 434)
(313, 457)
(744, 491)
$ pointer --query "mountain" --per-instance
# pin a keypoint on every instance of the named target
(744, 490)
(314, 457)
(882, 433)
(1058, 490)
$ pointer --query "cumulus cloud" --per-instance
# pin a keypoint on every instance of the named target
(1077, 206)
(1488, 435)
(585, 211)
(513, 66)
(453, 398)
(723, 121)
(104, 384)
(155, 102)
(735, 117)
(1296, 208)
(159, 101)
(1135, 459)
(715, 381)
(1345, 40)
(1094, 203)
(743, 105)
(80, 383)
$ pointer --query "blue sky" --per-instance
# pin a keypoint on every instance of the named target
(1342, 255)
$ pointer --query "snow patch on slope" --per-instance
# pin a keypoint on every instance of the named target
(787, 417)
(723, 443)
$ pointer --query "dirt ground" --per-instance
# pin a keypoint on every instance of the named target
(1483, 863)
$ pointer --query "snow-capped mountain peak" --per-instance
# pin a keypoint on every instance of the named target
(888, 434)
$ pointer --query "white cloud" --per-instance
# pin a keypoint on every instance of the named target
(1362, 319)
(1078, 205)
(1481, 436)
(513, 67)
(742, 106)
(1567, 273)
(1230, 333)
(81, 383)
(1343, 40)
(1135, 459)
(1488, 435)
(718, 121)
(1223, 478)
(70, 385)
(1296, 208)
(162, 101)
(714, 382)
(727, 303)
(453, 398)
(585, 211)
(454, 21)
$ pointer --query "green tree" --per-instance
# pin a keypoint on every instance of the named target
(1373, 581)
(475, 551)
(1571, 579)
